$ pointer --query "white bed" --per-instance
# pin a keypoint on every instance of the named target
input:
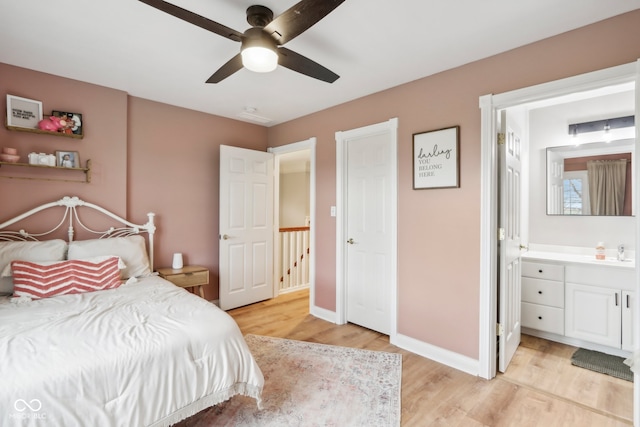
(146, 353)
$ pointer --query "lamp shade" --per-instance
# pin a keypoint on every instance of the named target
(259, 59)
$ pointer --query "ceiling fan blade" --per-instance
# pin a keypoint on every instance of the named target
(195, 19)
(233, 65)
(296, 62)
(299, 18)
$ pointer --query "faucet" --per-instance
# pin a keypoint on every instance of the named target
(620, 252)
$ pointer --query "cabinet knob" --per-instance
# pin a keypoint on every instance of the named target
(540, 271)
(540, 292)
(540, 317)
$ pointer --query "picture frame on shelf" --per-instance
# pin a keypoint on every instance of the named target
(76, 128)
(67, 159)
(23, 112)
(436, 158)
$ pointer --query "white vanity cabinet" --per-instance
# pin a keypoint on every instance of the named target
(599, 305)
(576, 300)
(543, 297)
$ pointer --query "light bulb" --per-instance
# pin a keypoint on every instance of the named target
(259, 59)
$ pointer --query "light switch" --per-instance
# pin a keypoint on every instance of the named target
(333, 211)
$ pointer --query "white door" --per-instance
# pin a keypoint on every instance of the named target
(369, 220)
(246, 226)
(510, 224)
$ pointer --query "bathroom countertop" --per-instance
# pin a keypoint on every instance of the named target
(578, 259)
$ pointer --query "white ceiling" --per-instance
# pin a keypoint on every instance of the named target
(372, 44)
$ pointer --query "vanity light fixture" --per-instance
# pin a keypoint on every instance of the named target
(601, 125)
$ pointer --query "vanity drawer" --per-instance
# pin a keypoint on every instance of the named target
(545, 292)
(540, 270)
(543, 318)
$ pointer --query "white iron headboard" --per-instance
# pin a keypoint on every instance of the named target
(71, 205)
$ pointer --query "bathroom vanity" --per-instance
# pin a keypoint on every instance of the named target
(578, 300)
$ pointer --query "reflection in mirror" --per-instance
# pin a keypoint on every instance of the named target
(591, 179)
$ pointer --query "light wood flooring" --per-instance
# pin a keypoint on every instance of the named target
(540, 388)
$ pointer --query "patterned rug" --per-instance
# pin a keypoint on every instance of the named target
(309, 384)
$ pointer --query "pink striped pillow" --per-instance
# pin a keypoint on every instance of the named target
(38, 280)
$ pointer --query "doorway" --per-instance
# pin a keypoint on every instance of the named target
(491, 105)
(299, 158)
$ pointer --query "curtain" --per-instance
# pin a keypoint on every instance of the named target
(607, 179)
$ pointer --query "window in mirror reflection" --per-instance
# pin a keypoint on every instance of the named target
(576, 193)
(591, 179)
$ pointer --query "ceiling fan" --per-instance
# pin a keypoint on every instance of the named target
(262, 48)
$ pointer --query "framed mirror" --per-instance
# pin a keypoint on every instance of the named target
(591, 179)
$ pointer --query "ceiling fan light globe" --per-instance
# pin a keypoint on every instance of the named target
(259, 59)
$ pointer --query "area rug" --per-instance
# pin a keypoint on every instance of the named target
(309, 384)
(603, 363)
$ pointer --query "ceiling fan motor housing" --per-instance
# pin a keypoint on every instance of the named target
(259, 16)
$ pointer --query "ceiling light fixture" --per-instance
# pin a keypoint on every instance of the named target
(259, 51)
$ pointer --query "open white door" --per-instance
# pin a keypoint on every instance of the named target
(510, 240)
(246, 226)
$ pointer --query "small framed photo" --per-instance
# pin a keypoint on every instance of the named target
(436, 158)
(23, 112)
(74, 121)
(67, 159)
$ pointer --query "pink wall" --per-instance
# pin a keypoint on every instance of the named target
(173, 171)
(146, 156)
(439, 230)
(104, 113)
(154, 157)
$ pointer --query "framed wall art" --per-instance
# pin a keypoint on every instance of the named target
(74, 119)
(23, 112)
(436, 158)
(67, 159)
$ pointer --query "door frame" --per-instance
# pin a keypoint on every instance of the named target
(308, 144)
(490, 104)
(390, 127)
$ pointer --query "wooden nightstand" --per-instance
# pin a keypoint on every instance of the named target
(190, 276)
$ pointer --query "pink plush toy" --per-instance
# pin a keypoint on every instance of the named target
(53, 124)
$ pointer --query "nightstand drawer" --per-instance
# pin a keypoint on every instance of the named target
(187, 280)
(543, 318)
(546, 292)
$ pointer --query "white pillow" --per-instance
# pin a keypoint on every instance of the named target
(49, 250)
(132, 250)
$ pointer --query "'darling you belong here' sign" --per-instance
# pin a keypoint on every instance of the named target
(436, 156)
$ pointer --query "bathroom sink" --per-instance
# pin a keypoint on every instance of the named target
(611, 260)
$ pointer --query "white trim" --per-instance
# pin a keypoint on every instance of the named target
(488, 240)
(636, 314)
(440, 355)
(390, 127)
(309, 144)
(323, 313)
(489, 105)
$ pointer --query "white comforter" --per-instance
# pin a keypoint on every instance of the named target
(147, 353)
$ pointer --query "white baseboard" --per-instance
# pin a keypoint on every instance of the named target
(440, 355)
(323, 313)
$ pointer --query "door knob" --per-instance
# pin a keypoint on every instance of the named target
(225, 237)
(351, 241)
(524, 247)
